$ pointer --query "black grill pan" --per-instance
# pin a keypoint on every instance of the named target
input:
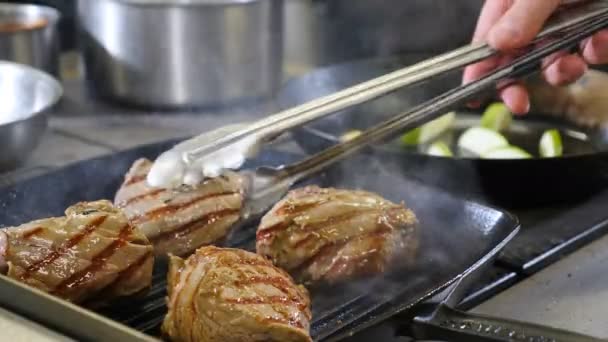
(455, 234)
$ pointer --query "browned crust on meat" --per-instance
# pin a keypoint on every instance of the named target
(331, 247)
(291, 297)
(127, 272)
(63, 249)
(143, 196)
(266, 233)
(176, 220)
(174, 208)
(29, 234)
(191, 227)
(97, 262)
(72, 239)
(134, 180)
(312, 249)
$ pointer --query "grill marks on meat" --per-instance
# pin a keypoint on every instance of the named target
(223, 294)
(98, 262)
(170, 209)
(135, 179)
(93, 254)
(332, 235)
(63, 249)
(143, 196)
(34, 231)
(201, 223)
(179, 221)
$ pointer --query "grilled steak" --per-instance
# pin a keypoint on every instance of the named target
(180, 221)
(332, 235)
(230, 295)
(93, 254)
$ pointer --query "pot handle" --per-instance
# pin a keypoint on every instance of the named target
(454, 325)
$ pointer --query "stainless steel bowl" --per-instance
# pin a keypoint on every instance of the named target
(29, 35)
(27, 96)
(182, 53)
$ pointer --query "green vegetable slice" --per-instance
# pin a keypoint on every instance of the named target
(497, 117)
(479, 140)
(551, 144)
(440, 149)
(509, 152)
(429, 131)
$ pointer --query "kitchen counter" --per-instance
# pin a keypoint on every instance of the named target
(17, 329)
(570, 294)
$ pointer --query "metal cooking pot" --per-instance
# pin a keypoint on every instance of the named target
(27, 96)
(29, 35)
(182, 53)
(324, 32)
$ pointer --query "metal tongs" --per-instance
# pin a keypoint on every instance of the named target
(571, 19)
(570, 26)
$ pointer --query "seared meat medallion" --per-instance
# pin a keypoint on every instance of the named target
(332, 235)
(93, 254)
(178, 221)
(231, 295)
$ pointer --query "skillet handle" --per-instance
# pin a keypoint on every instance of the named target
(453, 325)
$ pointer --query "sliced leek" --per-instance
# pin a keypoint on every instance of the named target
(479, 140)
(429, 131)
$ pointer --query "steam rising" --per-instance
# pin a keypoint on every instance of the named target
(436, 210)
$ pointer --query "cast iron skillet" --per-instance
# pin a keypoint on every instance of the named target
(510, 183)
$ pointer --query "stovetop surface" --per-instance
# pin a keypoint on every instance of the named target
(547, 235)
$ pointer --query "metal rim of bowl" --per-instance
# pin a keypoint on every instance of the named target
(44, 77)
(46, 12)
(184, 3)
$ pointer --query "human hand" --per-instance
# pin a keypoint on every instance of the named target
(511, 24)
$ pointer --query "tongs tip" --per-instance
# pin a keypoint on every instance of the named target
(167, 170)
